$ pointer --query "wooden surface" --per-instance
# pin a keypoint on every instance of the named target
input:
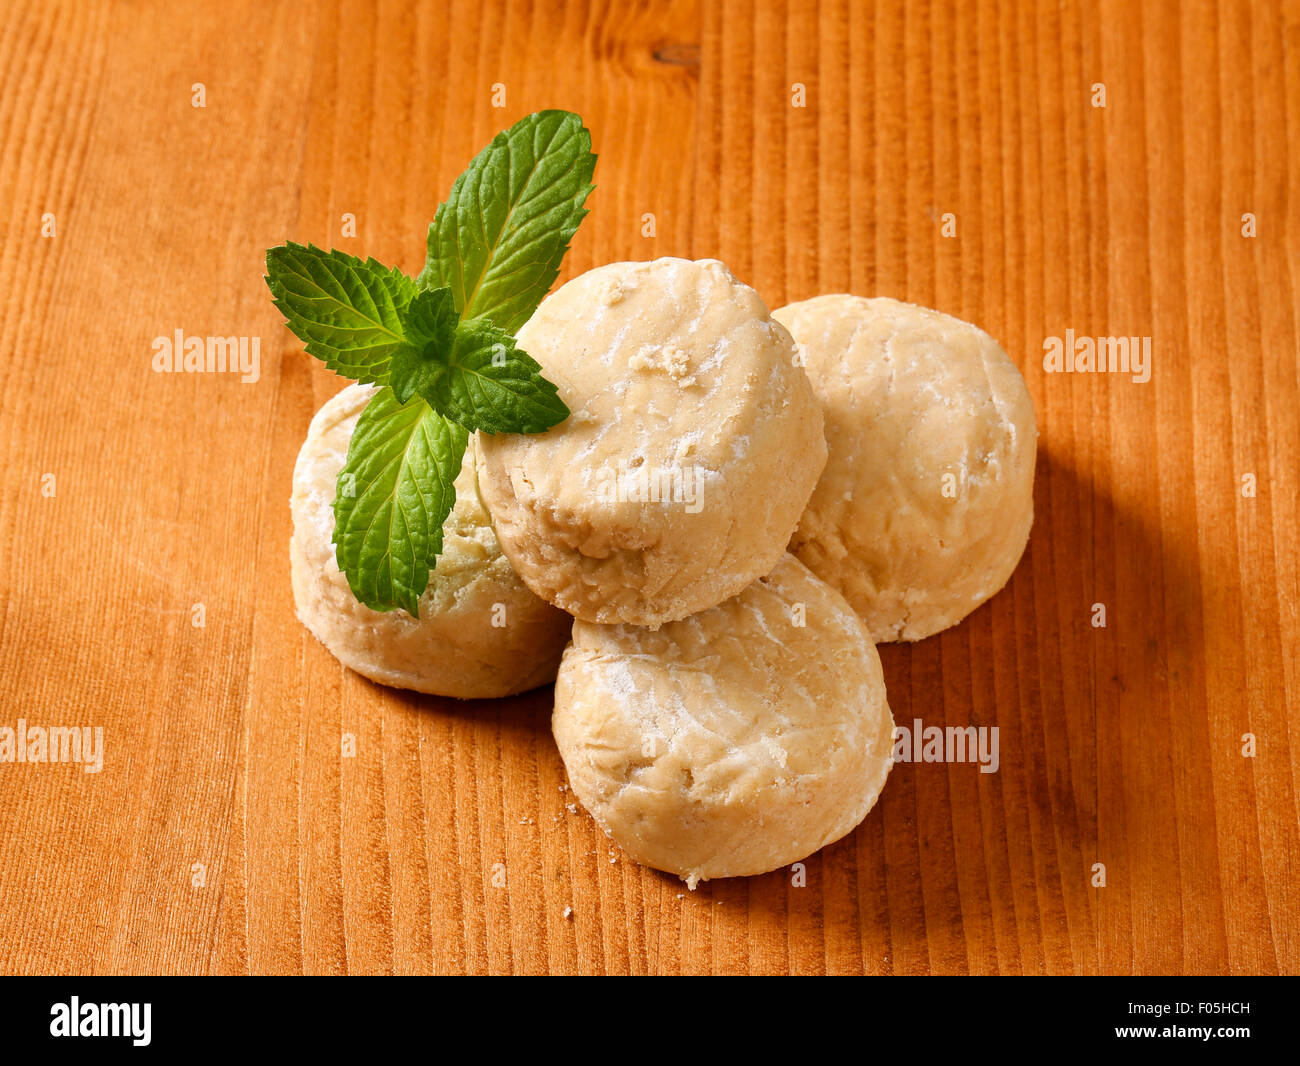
(1119, 745)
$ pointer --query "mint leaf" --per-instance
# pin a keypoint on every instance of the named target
(347, 311)
(488, 384)
(498, 240)
(394, 493)
(430, 328)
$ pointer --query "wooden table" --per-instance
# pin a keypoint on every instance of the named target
(226, 833)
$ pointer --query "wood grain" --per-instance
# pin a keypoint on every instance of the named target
(1119, 745)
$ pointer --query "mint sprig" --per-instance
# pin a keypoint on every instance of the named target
(441, 347)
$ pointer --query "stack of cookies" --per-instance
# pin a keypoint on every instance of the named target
(739, 506)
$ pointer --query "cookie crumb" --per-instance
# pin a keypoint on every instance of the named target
(614, 290)
(670, 359)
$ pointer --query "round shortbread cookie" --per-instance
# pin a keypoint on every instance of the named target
(733, 742)
(927, 498)
(691, 451)
(453, 648)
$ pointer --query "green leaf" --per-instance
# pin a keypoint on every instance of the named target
(498, 240)
(395, 490)
(430, 329)
(488, 384)
(347, 311)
